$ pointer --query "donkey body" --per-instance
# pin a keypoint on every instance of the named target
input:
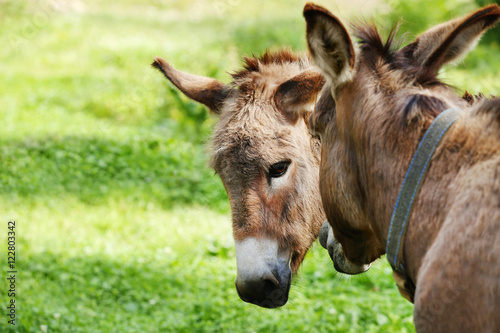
(383, 100)
(269, 165)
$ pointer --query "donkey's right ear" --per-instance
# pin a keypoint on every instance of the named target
(202, 89)
(329, 44)
(297, 96)
(451, 40)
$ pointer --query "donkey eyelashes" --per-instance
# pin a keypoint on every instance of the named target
(278, 169)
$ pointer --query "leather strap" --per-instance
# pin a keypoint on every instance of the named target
(411, 185)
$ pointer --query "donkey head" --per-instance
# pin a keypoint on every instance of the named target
(377, 102)
(268, 163)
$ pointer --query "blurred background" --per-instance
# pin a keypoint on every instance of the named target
(121, 227)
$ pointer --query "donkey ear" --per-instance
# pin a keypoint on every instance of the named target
(329, 44)
(451, 40)
(205, 90)
(298, 94)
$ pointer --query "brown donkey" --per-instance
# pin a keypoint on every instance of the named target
(269, 164)
(383, 101)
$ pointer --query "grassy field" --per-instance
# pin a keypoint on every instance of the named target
(121, 227)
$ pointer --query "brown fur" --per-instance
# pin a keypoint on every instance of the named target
(452, 247)
(257, 129)
(253, 133)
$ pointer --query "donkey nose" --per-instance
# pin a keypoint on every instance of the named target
(263, 272)
(265, 290)
(261, 287)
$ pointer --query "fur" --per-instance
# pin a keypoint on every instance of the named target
(253, 133)
(263, 120)
(452, 247)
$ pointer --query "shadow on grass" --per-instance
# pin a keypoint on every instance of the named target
(163, 171)
(101, 294)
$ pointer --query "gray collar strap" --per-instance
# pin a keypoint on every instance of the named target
(411, 185)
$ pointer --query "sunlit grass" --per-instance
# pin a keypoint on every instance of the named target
(121, 268)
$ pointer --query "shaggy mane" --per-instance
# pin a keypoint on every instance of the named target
(371, 43)
(373, 48)
(255, 63)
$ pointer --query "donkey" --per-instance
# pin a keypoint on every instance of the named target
(383, 100)
(268, 162)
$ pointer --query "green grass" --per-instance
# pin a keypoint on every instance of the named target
(121, 227)
(122, 269)
(141, 170)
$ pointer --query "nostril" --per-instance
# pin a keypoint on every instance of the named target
(271, 278)
(270, 287)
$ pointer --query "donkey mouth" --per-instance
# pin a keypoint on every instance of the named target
(346, 267)
(340, 262)
(266, 294)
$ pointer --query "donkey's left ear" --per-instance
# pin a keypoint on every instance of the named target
(202, 89)
(297, 96)
(451, 40)
(330, 44)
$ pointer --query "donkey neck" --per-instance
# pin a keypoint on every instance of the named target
(386, 166)
(432, 204)
(411, 186)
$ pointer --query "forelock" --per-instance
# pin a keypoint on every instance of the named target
(249, 146)
(251, 128)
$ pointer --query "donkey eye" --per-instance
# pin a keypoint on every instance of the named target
(278, 169)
